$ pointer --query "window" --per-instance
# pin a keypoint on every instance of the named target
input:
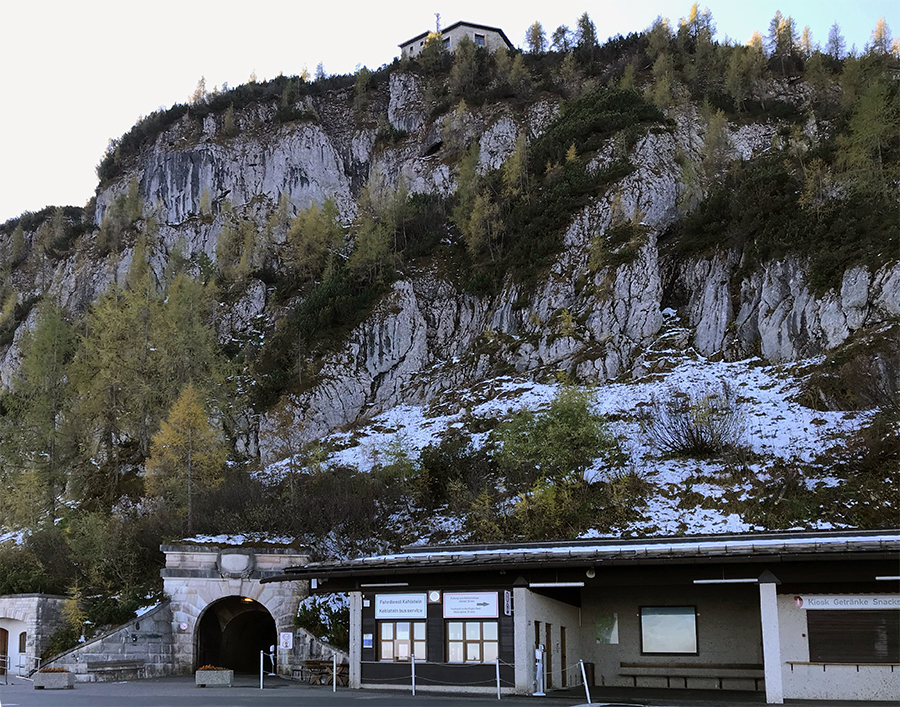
(472, 641)
(23, 639)
(398, 640)
(479, 40)
(447, 42)
(669, 629)
(857, 636)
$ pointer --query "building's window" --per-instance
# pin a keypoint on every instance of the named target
(472, 641)
(398, 640)
(853, 636)
(23, 639)
(669, 629)
(479, 40)
(447, 42)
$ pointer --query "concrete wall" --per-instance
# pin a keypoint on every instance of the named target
(728, 631)
(826, 682)
(146, 640)
(557, 614)
(39, 615)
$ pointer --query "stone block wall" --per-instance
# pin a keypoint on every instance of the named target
(40, 615)
(145, 641)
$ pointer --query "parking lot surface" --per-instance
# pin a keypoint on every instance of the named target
(278, 692)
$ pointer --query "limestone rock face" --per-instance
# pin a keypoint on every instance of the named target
(778, 316)
(593, 322)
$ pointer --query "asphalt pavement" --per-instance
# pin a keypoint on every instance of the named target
(278, 692)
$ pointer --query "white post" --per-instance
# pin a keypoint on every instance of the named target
(498, 677)
(355, 680)
(334, 672)
(768, 612)
(587, 690)
(261, 654)
(524, 640)
(412, 663)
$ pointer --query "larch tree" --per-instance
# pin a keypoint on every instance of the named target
(316, 236)
(536, 38)
(836, 44)
(881, 41)
(187, 456)
(561, 39)
(41, 400)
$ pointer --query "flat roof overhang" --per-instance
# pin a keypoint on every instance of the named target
(750, 551)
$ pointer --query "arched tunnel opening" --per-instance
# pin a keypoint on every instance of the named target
(232, 632)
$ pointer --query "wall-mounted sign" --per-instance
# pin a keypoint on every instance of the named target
(847, 601)
(434, 596)
(470, 605)
(401, 606)
(507, 603)
(286, 640)
(368, 640)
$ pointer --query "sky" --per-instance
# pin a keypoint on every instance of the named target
(76, 73)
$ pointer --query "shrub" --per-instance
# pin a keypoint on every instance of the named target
(559, 443)
(694, 422)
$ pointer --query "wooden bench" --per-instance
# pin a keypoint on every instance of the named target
(681, 672)
(116, 668)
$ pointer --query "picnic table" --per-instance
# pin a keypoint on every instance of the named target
(322, 672)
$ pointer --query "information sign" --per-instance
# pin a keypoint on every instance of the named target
(847, 601)
(401, 606)
(470, 605)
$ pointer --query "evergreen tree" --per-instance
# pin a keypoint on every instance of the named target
(464, 71)
(585, 37)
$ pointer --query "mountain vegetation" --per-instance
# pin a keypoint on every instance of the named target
(130, 414)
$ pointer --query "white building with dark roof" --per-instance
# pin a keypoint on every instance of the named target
(491, 38)
(795, 615)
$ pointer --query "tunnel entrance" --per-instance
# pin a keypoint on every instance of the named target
(232, 632)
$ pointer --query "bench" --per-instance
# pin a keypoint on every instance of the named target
(680, 673)
(116, 668)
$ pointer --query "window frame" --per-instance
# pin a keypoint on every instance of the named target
(465, 642)
(482, 42)
(411, 641)
(694, 614)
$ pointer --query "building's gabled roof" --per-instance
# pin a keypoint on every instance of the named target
(677, 550)
(454, 26)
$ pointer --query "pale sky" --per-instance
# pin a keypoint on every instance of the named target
(75, 73)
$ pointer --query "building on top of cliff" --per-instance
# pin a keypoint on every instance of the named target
(491, 38)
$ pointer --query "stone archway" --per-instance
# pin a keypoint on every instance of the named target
(231, 633)
(220, 611)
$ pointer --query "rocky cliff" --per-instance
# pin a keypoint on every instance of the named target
(428, 333)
